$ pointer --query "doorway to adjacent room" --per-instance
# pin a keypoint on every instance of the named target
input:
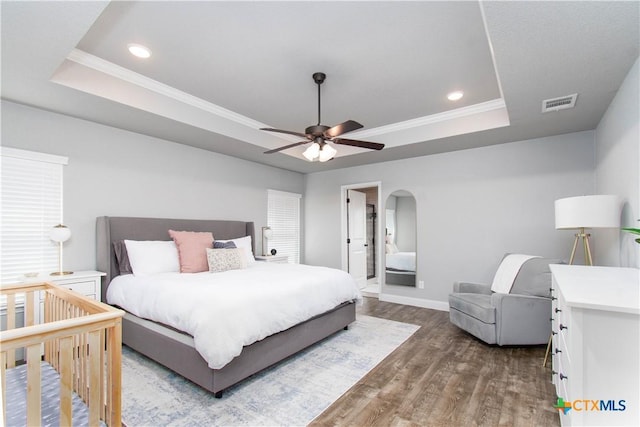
(361, 235)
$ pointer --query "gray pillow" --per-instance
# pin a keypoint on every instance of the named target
(120, 249)
(224, 245)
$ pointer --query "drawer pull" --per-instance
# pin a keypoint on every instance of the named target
(553, 372)
(558, 310)
(553, 298)
(558, 351)
(563, 377)
(554, 333)
(563, 327)
(551, 319)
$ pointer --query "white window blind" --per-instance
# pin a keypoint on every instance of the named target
(31, 199)
(283, 216)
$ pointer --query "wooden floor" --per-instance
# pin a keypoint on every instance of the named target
(442, 376)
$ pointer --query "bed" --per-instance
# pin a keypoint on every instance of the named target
(176, 349)
(71, 375)
(401, 261)
(400, 268)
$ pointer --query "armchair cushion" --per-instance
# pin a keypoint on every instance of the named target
(477, 306)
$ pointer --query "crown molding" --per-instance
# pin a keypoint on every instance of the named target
(471, 110)
(124, 74)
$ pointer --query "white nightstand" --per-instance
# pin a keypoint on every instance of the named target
(280, 259)
(87, 283)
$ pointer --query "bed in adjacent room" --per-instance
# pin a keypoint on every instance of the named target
(219, 326)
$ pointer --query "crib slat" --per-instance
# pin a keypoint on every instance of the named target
(33, 385)
(11, 324)
(66, 380)
(102, 377)
(29, 309)
(3, 395)
(94, 400)
(115, 373)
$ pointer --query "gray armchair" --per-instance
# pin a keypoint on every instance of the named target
(520, 317)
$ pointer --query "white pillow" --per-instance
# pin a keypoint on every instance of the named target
(152, 256)
(244, 243)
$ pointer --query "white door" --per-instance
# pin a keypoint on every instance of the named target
(357, 236)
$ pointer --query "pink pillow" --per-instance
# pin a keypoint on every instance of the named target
(192, 250)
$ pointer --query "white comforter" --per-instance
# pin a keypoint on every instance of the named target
(226, 311)
(401, 261)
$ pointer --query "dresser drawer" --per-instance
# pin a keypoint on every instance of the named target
(86, 288)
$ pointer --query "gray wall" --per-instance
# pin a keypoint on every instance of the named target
(118, 173)
(472, 206)
(618, 172)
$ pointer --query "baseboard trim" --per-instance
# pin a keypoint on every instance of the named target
(415, 302)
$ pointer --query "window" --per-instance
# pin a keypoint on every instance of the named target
(283, 216)
(31, 192)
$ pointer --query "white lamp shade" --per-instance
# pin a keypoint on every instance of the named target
(327, 153)
(60, 233)
(312, 152)
(600, 211)
(267, 233)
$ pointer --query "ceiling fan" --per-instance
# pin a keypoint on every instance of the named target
(320, 135)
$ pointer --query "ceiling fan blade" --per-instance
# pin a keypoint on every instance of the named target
(275, 150)
(302, 135)
(361, 144)
(345, 127)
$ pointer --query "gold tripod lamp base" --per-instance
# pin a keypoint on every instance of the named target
(588, 260)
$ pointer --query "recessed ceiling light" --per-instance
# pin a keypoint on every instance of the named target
(139, 50)
(455, 96)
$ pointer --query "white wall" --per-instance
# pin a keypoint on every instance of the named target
(618, 171)
(472, 207)
(118, 173)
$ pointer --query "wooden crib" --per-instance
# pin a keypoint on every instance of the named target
(79, 337)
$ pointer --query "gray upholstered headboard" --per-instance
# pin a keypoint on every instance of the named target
(111, 229)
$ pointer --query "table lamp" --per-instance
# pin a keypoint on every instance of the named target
(598, 211)
(267, 233)
(60, 234)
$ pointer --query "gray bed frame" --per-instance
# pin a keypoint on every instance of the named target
(174, 349)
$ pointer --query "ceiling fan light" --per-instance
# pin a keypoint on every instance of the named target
(312, 152)
(327, 153)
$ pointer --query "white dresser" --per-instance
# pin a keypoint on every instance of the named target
(596, 344)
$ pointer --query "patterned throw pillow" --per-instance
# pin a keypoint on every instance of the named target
(226, 259)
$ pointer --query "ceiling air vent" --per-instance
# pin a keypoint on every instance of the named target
(561, 103)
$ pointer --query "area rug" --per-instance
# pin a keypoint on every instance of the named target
(292, 393)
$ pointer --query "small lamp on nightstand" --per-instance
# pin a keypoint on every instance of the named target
(267, 233)
(60, 234)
